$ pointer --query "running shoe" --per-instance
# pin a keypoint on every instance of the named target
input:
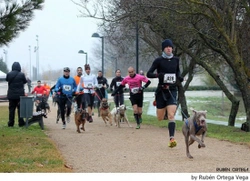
(138, 126)
(64, 126)
(68, 119)
(90, 119)
(172, 143)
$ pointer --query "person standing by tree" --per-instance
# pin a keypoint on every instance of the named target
(115, 83)
(101, 89)
(136, 95)
(16, 80)
(168, 73)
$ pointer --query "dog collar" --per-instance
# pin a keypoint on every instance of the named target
(197, 128)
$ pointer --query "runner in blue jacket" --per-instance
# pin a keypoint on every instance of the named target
(66, 88)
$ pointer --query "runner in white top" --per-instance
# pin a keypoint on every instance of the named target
(90, 83)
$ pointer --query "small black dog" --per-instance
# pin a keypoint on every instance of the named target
(43, 106)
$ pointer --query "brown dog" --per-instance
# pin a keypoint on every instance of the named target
(105, 111)
(81, 116)
(195, 126)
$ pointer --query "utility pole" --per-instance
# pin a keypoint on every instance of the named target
(30, 62)
(5, 55)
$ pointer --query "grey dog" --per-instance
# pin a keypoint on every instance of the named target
(195, 126)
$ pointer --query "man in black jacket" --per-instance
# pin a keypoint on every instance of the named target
(16, 80)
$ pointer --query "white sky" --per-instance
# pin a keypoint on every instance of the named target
(61, 35)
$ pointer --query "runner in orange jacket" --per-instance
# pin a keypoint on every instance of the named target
(79, 95)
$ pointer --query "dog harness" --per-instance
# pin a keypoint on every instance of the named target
(197, 128)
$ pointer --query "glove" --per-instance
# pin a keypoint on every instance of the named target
(142, 88)
(161, 75)
(154, 103)
(180, 79)
(113, 94)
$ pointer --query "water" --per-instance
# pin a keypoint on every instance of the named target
(149, 97)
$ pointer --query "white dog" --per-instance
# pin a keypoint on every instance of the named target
(119, 113)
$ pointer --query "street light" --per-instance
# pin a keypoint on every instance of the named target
(82, 52)
(6, 55)
(137, 47)
(96, 35)
(30, 61)
(37, 58)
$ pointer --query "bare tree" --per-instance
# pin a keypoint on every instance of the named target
(211, 33)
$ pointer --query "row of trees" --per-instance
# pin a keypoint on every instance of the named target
(211, 34)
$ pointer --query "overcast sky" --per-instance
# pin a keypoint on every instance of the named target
(61, 34)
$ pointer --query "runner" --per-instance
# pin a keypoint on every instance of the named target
(168, 72)
(66, 85)
(136, 92)
(79, 95)
(90, 83)
(115, 83)
(101, 90)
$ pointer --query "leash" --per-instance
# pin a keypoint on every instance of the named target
(98, 96)
(185, 116)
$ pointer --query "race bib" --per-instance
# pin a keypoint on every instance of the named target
(100, 85)
(38, 95)
(118, 84)
(169, 78)
(67, 87)
(135, 90)
(90, 85)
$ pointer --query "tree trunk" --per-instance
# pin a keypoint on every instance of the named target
(245, 92)
(182, 102)
(233, 113)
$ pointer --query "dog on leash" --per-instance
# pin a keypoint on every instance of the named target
(119, 113)
(105, 111)
(81, 116)
(195, 126)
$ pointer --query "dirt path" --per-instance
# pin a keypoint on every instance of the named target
(107, 149)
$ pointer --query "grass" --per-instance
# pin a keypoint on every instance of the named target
(30, 150)
(228, 133)
(218, 108)
(27, 150)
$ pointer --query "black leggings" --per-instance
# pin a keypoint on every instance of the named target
(119, 99)
(65, 102)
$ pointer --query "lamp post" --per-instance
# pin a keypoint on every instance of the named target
(6, 55)
(82, 52)
(30, 61)
(96, 35)
(37, 58)
(137, 47)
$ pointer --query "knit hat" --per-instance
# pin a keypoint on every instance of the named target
(166, 43)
